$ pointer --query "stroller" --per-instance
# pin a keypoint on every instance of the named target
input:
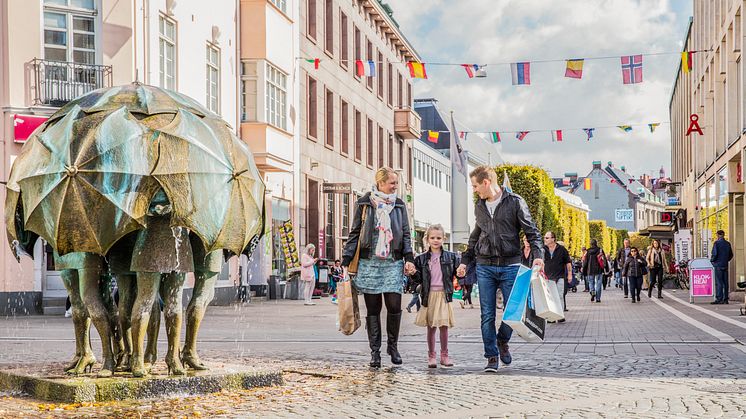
(577, 266)
(742, 285)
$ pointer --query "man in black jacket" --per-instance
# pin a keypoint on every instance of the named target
(621, 257)
(494, 243)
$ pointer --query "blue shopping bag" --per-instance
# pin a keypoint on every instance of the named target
(519, 312)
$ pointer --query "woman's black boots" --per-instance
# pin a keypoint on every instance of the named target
(393, 322)
(373, 326)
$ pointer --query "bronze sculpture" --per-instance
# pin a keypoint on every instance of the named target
(136, 161)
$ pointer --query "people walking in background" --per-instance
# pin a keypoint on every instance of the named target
(526, 253)
(467, 284)
(434, 274)
(384, 240)
(307, 273)
(657, 265)
(415, 301)
(608, 270)
(633, 270)
(722, 253)
(621, 258)
(557, 265)
(336, 275)
(593, 269)
(494, 244)
(586, 288)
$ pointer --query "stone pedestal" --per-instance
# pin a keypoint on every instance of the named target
(48, 383)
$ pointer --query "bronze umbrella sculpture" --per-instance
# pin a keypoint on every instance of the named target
(87, 177)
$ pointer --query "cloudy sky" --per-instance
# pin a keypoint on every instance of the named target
(504, 31)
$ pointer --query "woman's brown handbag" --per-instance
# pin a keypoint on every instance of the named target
(352, 268)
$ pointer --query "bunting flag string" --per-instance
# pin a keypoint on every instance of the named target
(557, 135)
(631, 65)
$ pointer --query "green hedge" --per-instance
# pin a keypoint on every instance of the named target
(609, 239)
(548, 210)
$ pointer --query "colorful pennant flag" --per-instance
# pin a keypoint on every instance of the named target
(495, 137)
(574, 69)
(365, 68)
(589, 133)
(653, 126)
(471, 69)
(463, 134)
(432, 136)
(417, 70)
(587, 184)
(686, 61)
(521, 135)
(632, 69)
(557, 135)
(315, 62)
(625, 128)
(521, 73)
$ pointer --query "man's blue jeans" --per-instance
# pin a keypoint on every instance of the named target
(490, 279)
(597, 284)
(721, 284)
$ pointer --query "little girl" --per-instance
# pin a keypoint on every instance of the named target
(435, 270)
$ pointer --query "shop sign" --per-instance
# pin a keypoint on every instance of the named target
(24, 125)
(343, 188)
(287, 243)
(702, 282)
(624, 215)
(682, 240)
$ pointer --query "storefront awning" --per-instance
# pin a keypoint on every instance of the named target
(658, 231)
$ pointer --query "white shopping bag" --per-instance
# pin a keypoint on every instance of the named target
(519, 311)
(547, 302)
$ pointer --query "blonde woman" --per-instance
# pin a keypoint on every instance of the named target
(385, 248)
(307, 273)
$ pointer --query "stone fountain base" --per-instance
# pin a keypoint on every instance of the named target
(47, 382)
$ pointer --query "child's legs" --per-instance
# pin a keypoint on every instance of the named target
(443, 339)
(431, 340)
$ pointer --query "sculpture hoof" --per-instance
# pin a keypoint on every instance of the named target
(105, 373)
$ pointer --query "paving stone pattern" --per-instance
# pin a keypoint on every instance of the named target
(612, 359)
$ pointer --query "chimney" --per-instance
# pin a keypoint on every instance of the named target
(624, 169)
(597, 164)
(610, 164)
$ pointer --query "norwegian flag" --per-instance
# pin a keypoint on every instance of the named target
(632, 69)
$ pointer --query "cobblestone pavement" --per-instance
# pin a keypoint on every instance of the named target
(613, 359)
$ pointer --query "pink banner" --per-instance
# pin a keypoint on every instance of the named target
(702, 282)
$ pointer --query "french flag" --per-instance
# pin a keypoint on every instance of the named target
(521, 73)
(366, 68)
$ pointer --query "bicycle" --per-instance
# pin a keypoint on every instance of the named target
(682, 275)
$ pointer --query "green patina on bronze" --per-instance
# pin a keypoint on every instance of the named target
(141, 160)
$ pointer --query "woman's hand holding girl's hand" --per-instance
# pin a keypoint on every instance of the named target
(409, 268)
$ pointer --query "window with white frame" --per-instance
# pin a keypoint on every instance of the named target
(249, 80)
(167, 52)
(212, 55)
(276, 97)
(69, 31)
(281, 4)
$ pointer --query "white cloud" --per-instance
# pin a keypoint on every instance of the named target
(504, 31)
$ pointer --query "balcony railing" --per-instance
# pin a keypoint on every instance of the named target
(57, 82)
(407, 123)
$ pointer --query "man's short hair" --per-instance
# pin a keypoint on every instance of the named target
(483, 172)
(720, 233)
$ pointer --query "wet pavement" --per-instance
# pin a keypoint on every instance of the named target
(612, 359)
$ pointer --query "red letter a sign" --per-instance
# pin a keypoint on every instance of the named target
(694, 125)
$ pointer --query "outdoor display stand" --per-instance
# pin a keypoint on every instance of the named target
(701, 281)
